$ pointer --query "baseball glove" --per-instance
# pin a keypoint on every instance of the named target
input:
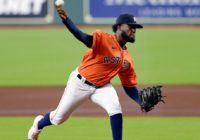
(150, 97)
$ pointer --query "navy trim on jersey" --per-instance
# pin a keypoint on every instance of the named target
(83, 37)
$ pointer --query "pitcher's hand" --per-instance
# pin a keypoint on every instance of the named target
(61, 12)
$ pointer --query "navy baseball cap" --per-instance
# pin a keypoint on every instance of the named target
(126, 19)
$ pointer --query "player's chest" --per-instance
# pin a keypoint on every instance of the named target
(114, 56)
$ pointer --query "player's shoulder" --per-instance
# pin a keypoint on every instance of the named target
(99, 32)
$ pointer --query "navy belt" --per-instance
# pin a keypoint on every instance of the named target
(87, 82)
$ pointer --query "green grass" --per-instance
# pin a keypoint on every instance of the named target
(98, 128)
(168, 56)
(46, 57)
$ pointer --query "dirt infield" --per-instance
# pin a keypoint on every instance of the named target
(27, 101)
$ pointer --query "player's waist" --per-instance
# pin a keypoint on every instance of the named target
(79, 76)
(98, 77)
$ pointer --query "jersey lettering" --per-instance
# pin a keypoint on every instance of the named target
(111, 60)
(125, 65)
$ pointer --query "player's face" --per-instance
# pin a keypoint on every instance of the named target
(128, 33)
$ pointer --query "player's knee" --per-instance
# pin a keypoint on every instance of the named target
(114, 112)
(113, 109)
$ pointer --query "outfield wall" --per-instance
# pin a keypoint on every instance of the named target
(101, 11)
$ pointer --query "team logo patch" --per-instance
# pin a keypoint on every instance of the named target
(134, 18)
(125, 65)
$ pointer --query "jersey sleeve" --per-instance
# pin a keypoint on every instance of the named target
(128, 76)
(97, 40)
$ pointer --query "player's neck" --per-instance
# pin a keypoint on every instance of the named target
(121, 42)
(122, 45)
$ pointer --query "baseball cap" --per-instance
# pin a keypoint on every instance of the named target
(126, 19)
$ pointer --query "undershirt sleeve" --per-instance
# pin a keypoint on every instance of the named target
(83, 37)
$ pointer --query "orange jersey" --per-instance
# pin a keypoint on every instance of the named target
(105, 59)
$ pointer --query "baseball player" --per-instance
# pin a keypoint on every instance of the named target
(107, 56)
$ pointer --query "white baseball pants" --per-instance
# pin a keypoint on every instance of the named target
(77, 91)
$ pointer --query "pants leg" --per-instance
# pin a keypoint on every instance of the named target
(106, 97)
(75, 93)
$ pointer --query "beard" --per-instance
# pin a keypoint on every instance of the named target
(127, 38)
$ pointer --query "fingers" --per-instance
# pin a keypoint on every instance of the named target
(59, 7)
(61, 12)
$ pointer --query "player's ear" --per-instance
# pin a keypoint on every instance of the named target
(119, 27)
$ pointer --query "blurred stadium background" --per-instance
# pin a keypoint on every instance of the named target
(169, 40)
(100, 11)
(38, 51)
(37, 54)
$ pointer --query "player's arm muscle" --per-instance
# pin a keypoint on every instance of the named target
(83, 37)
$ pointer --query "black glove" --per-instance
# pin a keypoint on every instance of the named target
(149, 97)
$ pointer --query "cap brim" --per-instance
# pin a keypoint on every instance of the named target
(136, 25)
